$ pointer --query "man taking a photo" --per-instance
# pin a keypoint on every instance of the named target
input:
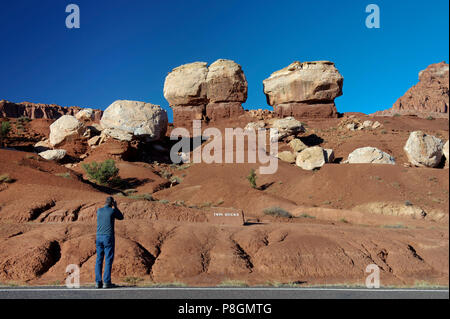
(105, 242)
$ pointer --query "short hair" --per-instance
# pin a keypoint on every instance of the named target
(109, 200)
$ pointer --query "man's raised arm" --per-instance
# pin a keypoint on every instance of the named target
(117, 213)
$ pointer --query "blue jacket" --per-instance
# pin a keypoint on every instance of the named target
(105, 220)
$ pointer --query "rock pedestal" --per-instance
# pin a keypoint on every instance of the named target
(305, 89)
(198, 92)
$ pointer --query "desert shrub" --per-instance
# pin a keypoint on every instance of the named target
(4, 178)
(176, 180)
(307, 216)
(132, 280)
(24, 119)
(233, 283)
(103, 173)
(397, 226)
(206, 204)
(145, 196)
(165, 174)
(277, 212)
(5, 128)
(252, 178)
(430, 118)
(65, 175)
(396, 115)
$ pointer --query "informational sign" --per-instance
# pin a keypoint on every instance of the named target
(226, 216)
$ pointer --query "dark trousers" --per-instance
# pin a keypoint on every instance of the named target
(105, 250)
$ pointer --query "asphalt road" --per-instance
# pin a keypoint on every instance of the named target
(219, 293)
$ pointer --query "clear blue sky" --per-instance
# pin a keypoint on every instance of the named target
(124, 49)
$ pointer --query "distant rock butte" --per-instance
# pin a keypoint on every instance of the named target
(304, 89)
(40, 111)
(429, 97)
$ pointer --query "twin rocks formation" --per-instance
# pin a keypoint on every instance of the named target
(198, 92)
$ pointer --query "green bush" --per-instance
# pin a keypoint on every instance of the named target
(24, 119)
(252, 178)
(277, 212)
(4, 131)
(103, 173)
(4, 178)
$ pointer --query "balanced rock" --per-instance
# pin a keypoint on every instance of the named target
(65, 126)
(423, 150)
(53, 155)
(198, 92)
(311, 158)
(123, 120)
(305, 89)
(287, 156)
(370, 155)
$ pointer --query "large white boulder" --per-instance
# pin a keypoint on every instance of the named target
(65, 126)
(423, 150)
(186, 84)
(446, 153)
(124, 119)
(287, 156)
(286, 127)
(53, 155)
(297, 145)
(311, 158)
(369, 155)
(304, 82)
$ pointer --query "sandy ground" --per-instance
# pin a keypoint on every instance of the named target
(340, 225)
